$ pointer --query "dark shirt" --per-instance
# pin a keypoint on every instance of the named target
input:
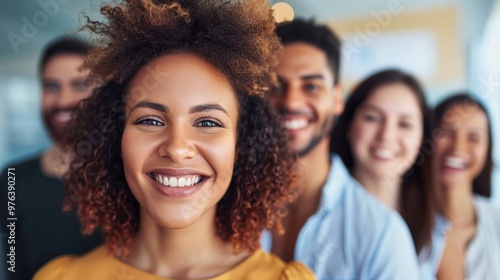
(42, 230)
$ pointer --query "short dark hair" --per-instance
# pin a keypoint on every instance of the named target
(63, 45)
(419, 191)
(320, 36)
(482, 183)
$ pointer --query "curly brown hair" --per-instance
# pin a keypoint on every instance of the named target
(238, 38)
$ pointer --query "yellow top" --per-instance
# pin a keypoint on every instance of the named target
(99, 264)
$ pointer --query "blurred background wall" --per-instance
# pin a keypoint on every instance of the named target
(25, 27)
(450, 45)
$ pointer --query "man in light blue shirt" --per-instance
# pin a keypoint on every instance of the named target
(335, 227)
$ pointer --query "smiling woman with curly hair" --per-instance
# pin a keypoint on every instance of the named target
(178, 159)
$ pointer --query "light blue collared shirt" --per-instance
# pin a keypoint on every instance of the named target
(353, 236)
(482, 259)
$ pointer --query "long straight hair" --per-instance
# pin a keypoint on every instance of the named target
(419, 183)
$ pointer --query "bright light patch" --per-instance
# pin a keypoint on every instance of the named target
(282, 12)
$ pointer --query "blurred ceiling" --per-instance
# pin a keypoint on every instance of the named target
(27, 25)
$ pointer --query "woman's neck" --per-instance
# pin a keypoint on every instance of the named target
(193, 252)
(386, 189)
(458, 204)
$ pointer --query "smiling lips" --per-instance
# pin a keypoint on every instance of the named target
(61, 117)
(455, 163)
(293, 124)
(177, 182)
(383, 153)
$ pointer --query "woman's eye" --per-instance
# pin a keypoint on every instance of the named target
(149, 121)
(443, 133)
(406, 125)
(208, 123)
(370, 118)
(474, 138)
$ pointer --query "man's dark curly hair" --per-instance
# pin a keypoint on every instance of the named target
(238, 38)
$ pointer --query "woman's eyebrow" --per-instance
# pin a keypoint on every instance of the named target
(150, 105)
(207, 107)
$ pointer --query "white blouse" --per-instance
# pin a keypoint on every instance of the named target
(483, 253)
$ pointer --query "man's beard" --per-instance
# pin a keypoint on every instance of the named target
(325, 131)
(56, 132)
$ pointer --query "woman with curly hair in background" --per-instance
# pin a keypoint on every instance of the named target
(179, 159)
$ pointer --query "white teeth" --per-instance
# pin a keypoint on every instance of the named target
(181, 182)
(173, 182)
(455, 162)
(64, 116)
(384, 153)
(296, 123)
(177, 182)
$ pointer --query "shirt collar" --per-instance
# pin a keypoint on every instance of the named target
(441, 224)
(337, 179)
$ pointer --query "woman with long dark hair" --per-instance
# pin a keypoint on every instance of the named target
(382, 138)
(464, 160)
